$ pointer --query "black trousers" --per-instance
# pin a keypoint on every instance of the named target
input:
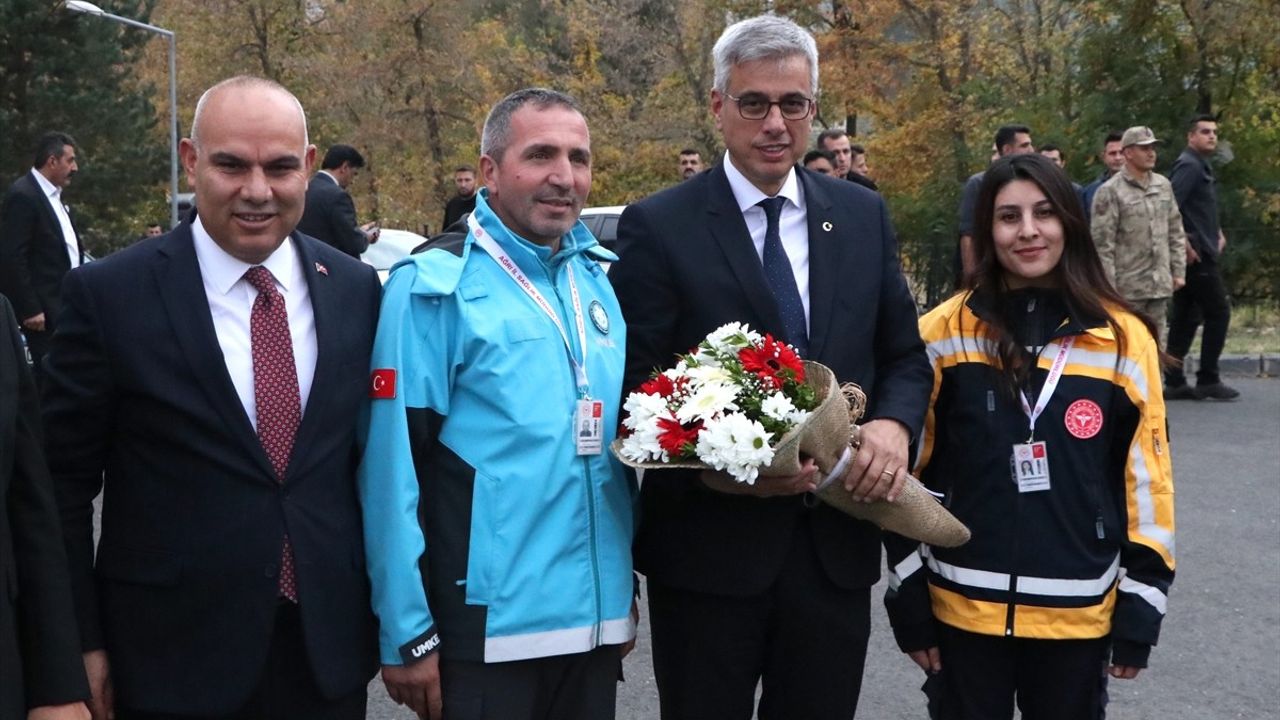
(582, 686)
(287, 690)
(1204, 296)
(804, 639)
(983, 675)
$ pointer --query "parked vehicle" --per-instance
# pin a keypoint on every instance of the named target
(603, 223)
(392, 247)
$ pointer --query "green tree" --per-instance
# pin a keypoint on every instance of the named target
(76, 73)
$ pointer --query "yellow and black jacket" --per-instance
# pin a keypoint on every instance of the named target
(1090, 557)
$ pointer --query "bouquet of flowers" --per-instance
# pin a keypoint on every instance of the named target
(747, 405)
(725, 404)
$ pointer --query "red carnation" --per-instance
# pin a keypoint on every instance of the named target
(772, 362)
(675, 437)
(660, 385)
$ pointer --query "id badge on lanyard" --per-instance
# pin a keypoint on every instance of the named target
(1029, 461)
(588, 415)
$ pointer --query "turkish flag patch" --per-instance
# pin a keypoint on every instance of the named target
(382, 384)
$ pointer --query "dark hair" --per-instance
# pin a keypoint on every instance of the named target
(339, 154)
(1085, 287)
(819, 153)
(1050, 147)
(1007, 133)
(691, 151)
(50, 145)
(496, 134)
(1113, 136)
(834, 133)
(855, 149)
(1199, 118)
(465, 168)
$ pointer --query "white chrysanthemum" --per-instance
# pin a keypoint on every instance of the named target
(798, 417)
(642, 408)
(678, 371)
(708, 401)
(779, 407)
(642, 444)
(707, 374)
(736, 445)
(731, 337)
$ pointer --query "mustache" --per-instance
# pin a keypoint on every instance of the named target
(565, 196)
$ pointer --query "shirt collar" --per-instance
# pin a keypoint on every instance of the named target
(50, 190)
(329, 175)
(748, 195)
(1134, 179)
(222, 270)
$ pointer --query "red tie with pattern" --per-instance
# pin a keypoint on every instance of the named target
(275, 391)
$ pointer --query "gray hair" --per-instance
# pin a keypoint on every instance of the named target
(244, 81)
(497, 126)
(765, 37)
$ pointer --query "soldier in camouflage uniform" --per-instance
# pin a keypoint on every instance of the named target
(1138, 230)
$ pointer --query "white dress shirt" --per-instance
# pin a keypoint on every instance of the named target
(793, 224)
(54, 193)
(231, 299)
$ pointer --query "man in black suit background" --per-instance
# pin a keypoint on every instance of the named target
(208, 382)
(851, 160)
(330, 213)
(750, 583)
(463, 203)
(38, 242)
(39, 648)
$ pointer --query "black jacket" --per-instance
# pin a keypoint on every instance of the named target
(330, 216)
(33, 253)
(1196, 189)
(690, 267)
(138, 403)
(39, 647)
(1089, 557)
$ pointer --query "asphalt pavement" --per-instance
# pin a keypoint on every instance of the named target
(1217, 655)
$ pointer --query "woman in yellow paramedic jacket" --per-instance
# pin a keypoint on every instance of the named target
(1046, 435)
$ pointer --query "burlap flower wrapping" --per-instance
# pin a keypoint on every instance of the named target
(824, 436)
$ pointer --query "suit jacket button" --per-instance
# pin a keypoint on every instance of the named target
(270, 570)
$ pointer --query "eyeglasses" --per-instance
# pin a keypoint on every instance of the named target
(756, 106)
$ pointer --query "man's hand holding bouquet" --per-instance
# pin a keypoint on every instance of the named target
(747, 406)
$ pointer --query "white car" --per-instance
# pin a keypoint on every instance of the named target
(395, 245)
(392, 247)
(603, 223)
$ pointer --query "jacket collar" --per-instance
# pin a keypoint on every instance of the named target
(526, 253)
(982, 303)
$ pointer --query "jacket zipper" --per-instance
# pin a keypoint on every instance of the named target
(1013, 567)
(592, 530)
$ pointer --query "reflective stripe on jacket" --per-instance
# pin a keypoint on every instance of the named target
(1091, 556)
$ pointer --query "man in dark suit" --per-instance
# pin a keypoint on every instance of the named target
(208, 381)
(38, 242)
(851, 160)
(39, 647)
(750, 582)
(330, 214)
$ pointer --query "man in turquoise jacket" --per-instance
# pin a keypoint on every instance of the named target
(498, 527)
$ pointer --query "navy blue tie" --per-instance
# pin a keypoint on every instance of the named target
(782, 280)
